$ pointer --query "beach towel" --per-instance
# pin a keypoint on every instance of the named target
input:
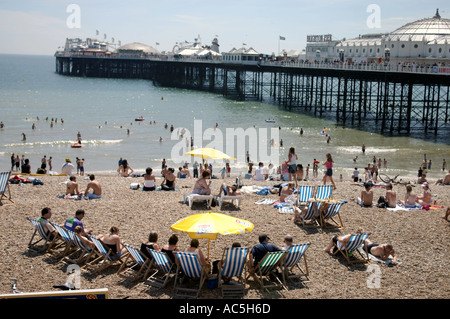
(265, 201)
(401, 207)
(387, 262)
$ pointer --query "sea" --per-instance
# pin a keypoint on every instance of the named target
(52, 109)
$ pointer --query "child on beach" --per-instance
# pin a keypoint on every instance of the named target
(329, 172)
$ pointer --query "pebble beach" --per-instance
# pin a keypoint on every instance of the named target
(419, 238)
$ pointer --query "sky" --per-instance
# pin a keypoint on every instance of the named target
(40, 27)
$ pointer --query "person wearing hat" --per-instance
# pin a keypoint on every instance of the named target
(67, 168)
(425, 198)
(259, 251)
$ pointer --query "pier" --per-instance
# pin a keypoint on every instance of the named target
(393, 99)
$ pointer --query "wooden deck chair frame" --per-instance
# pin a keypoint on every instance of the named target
(328, 212)
(138, 260)
(356, 240)
(189, 265)
(105, 259)
(70, 246)
(295, 255)
(323, 192)
(266, 266)
(162, 264)
(234, 266)
(4, 185)
(49, 245)
(85, 254)
(305, 194)
(311, 214)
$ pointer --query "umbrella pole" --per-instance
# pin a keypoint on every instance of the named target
(208, 248)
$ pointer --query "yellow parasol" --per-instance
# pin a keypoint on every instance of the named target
(209, 225)
(209, 153)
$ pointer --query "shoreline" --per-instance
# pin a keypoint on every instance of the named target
(418, 237)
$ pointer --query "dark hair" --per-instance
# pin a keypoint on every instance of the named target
(92, 177)
(173, 240)
(236, 245)
(194, 243)
(148, 170)
(45, 210)
(171, 169)
(205, 174)
(124, 163)
(72, 178)
(153, 237)
(79, 212)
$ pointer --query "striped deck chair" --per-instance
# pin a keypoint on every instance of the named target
(264, 268)
(323, 192)
(69, 245)
(139, 266)
(311, 213)
(105, 259)
(4, 179)
(190, 266)
(234, 265)
(356, 241)
(164, 265)
(83, 252)
(49, 243)
(305, 194)
(329, 211)
(292, 260)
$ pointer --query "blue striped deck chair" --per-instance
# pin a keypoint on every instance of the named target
(163, 265)
(69, 245)
(190, 266)
(323, 192)
(106, 257)
(309, 213)
(234, 265)
(137, 268)
(83, 252)
(294, 256)
(329, 211)
(4, 179)
(39, 229)
(266, 266)
(356, 241)
(305, 194)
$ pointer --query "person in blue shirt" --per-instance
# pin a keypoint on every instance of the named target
(73, 222)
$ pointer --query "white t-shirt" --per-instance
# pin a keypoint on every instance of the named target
(67, 168)
(259, 174)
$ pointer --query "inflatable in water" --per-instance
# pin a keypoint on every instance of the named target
(75, 145)
(139, 119)
(270, 121)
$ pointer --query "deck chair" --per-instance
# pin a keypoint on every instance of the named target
(292, 260)
(305, 194)
(139, 266)
(233, 266)
(70, 246)
(329, 211)
(163, 265)
(190, 266)
(105, 259)
(356, 241)
(323, 192)
(82, 253)
(4, 179)
(265, 267)
(236, 200)
(39, 231)
(310, 214)
(191, 198)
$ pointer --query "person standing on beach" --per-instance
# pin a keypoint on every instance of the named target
(444, 165)
(292, 162)
(49, 163)
(329, 172)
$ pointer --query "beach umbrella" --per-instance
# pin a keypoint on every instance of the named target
(209, 225)
(209, 153)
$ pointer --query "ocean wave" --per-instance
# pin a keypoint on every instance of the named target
(92, 142)
(369, 150)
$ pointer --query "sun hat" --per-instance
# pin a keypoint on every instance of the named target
(67, 159)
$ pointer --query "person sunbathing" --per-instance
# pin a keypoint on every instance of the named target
(366, 199)
(425, 198)
(286, 191)
(112, 241)
(382, 251)
(201, 187)
(410, 198)
(229, 190)
(78, 230)
(72, 187)
(445, 180)
(340, 242)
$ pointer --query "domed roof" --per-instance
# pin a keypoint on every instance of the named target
(136, 46)
(422, 30)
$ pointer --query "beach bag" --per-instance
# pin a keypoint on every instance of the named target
(381, 202)
(134, 185)
(37, 182)
(263, 191)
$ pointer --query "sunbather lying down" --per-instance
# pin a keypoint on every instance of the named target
(229, 190)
